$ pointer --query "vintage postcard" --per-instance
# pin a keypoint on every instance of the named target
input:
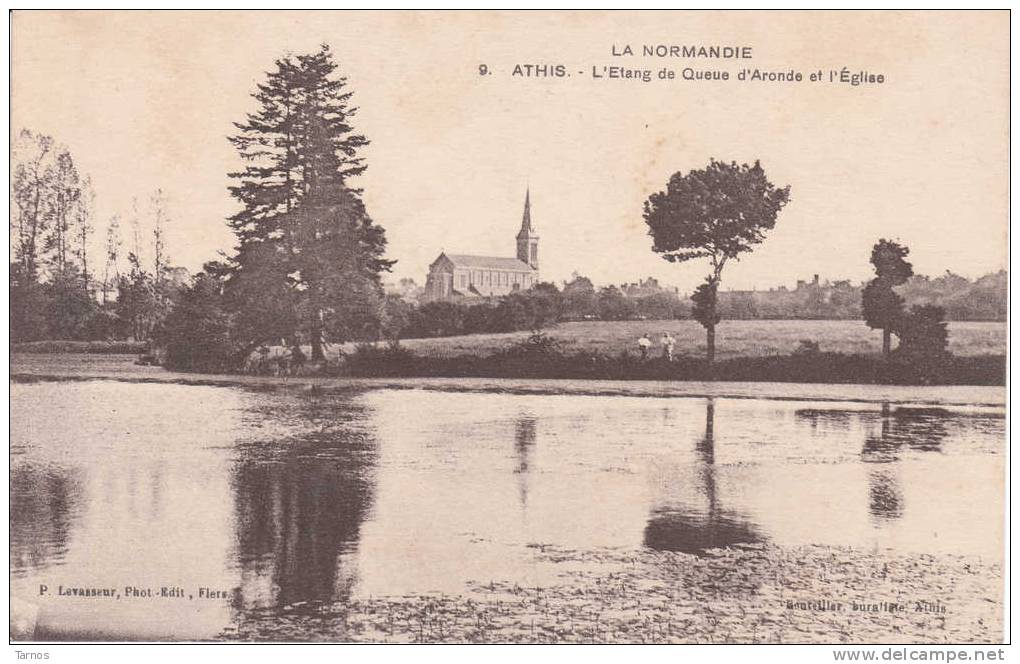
(497, 327)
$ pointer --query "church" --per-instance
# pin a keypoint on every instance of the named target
(463, 277)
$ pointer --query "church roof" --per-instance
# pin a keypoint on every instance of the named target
(490, 262)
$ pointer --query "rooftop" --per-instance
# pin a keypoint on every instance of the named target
(490, 262)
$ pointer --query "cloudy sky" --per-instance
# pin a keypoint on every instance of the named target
(146, 100)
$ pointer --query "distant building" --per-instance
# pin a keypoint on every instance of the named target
(647, 287)
(464, 276)
(812, 299)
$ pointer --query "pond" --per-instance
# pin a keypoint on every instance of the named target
(192, 503)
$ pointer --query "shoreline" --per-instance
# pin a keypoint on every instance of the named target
(43, 367)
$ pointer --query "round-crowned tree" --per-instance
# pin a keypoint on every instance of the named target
(881, 305)
(718, 212)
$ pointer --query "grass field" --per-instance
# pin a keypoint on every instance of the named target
(733, 338)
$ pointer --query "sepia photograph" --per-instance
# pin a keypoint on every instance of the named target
(509, 327)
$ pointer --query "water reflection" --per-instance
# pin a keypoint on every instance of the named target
(914, 429)
(693, 529)
(299, 505)
(45, 502)
(524, 444)
(919, 429)
(291, 498)
(885, 496)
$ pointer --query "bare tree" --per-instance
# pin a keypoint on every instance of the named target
(160, 219)
(136, 229)
(83, 228)
(30, 185)
(64, 200)
(111, 271)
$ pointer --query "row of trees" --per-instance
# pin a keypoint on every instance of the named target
(542, 305)
(58, 289)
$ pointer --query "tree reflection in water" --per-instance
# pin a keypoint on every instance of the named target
(300, 502)
(900, 430)
(918, 429)
(524, 444)
(45, 503)
(693, 530)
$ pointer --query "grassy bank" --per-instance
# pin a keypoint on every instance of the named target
(27, 368)
(540, 357)
(90, 347)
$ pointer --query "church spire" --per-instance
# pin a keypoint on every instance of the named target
(527, 238)
(526, 220)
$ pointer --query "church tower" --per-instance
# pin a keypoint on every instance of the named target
(527, 239)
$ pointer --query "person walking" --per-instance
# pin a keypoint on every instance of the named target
(644, 343)
(668, 342)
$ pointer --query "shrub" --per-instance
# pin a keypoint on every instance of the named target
(807, 347)
(537, 344)
(196, 334)
(924, 339)
(372, 360)
(541, 357)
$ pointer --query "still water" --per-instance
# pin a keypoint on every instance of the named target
(244, 499)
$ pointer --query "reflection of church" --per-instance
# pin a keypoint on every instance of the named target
(463, 276)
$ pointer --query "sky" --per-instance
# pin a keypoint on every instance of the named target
(147, 99)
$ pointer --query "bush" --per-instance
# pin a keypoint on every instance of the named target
(196, 334)
(807, 347)
(529, 310)
(537, 344)
(372, 360)
(541, 356)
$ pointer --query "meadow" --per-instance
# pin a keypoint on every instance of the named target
(734, 338)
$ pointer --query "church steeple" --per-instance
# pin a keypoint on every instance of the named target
(527, 239)
(526, 221)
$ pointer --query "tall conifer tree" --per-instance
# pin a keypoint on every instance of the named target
(309, 256)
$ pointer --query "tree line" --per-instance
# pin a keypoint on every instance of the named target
(578, 299)
(57, 288)
(308, 264)
(981, 299)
